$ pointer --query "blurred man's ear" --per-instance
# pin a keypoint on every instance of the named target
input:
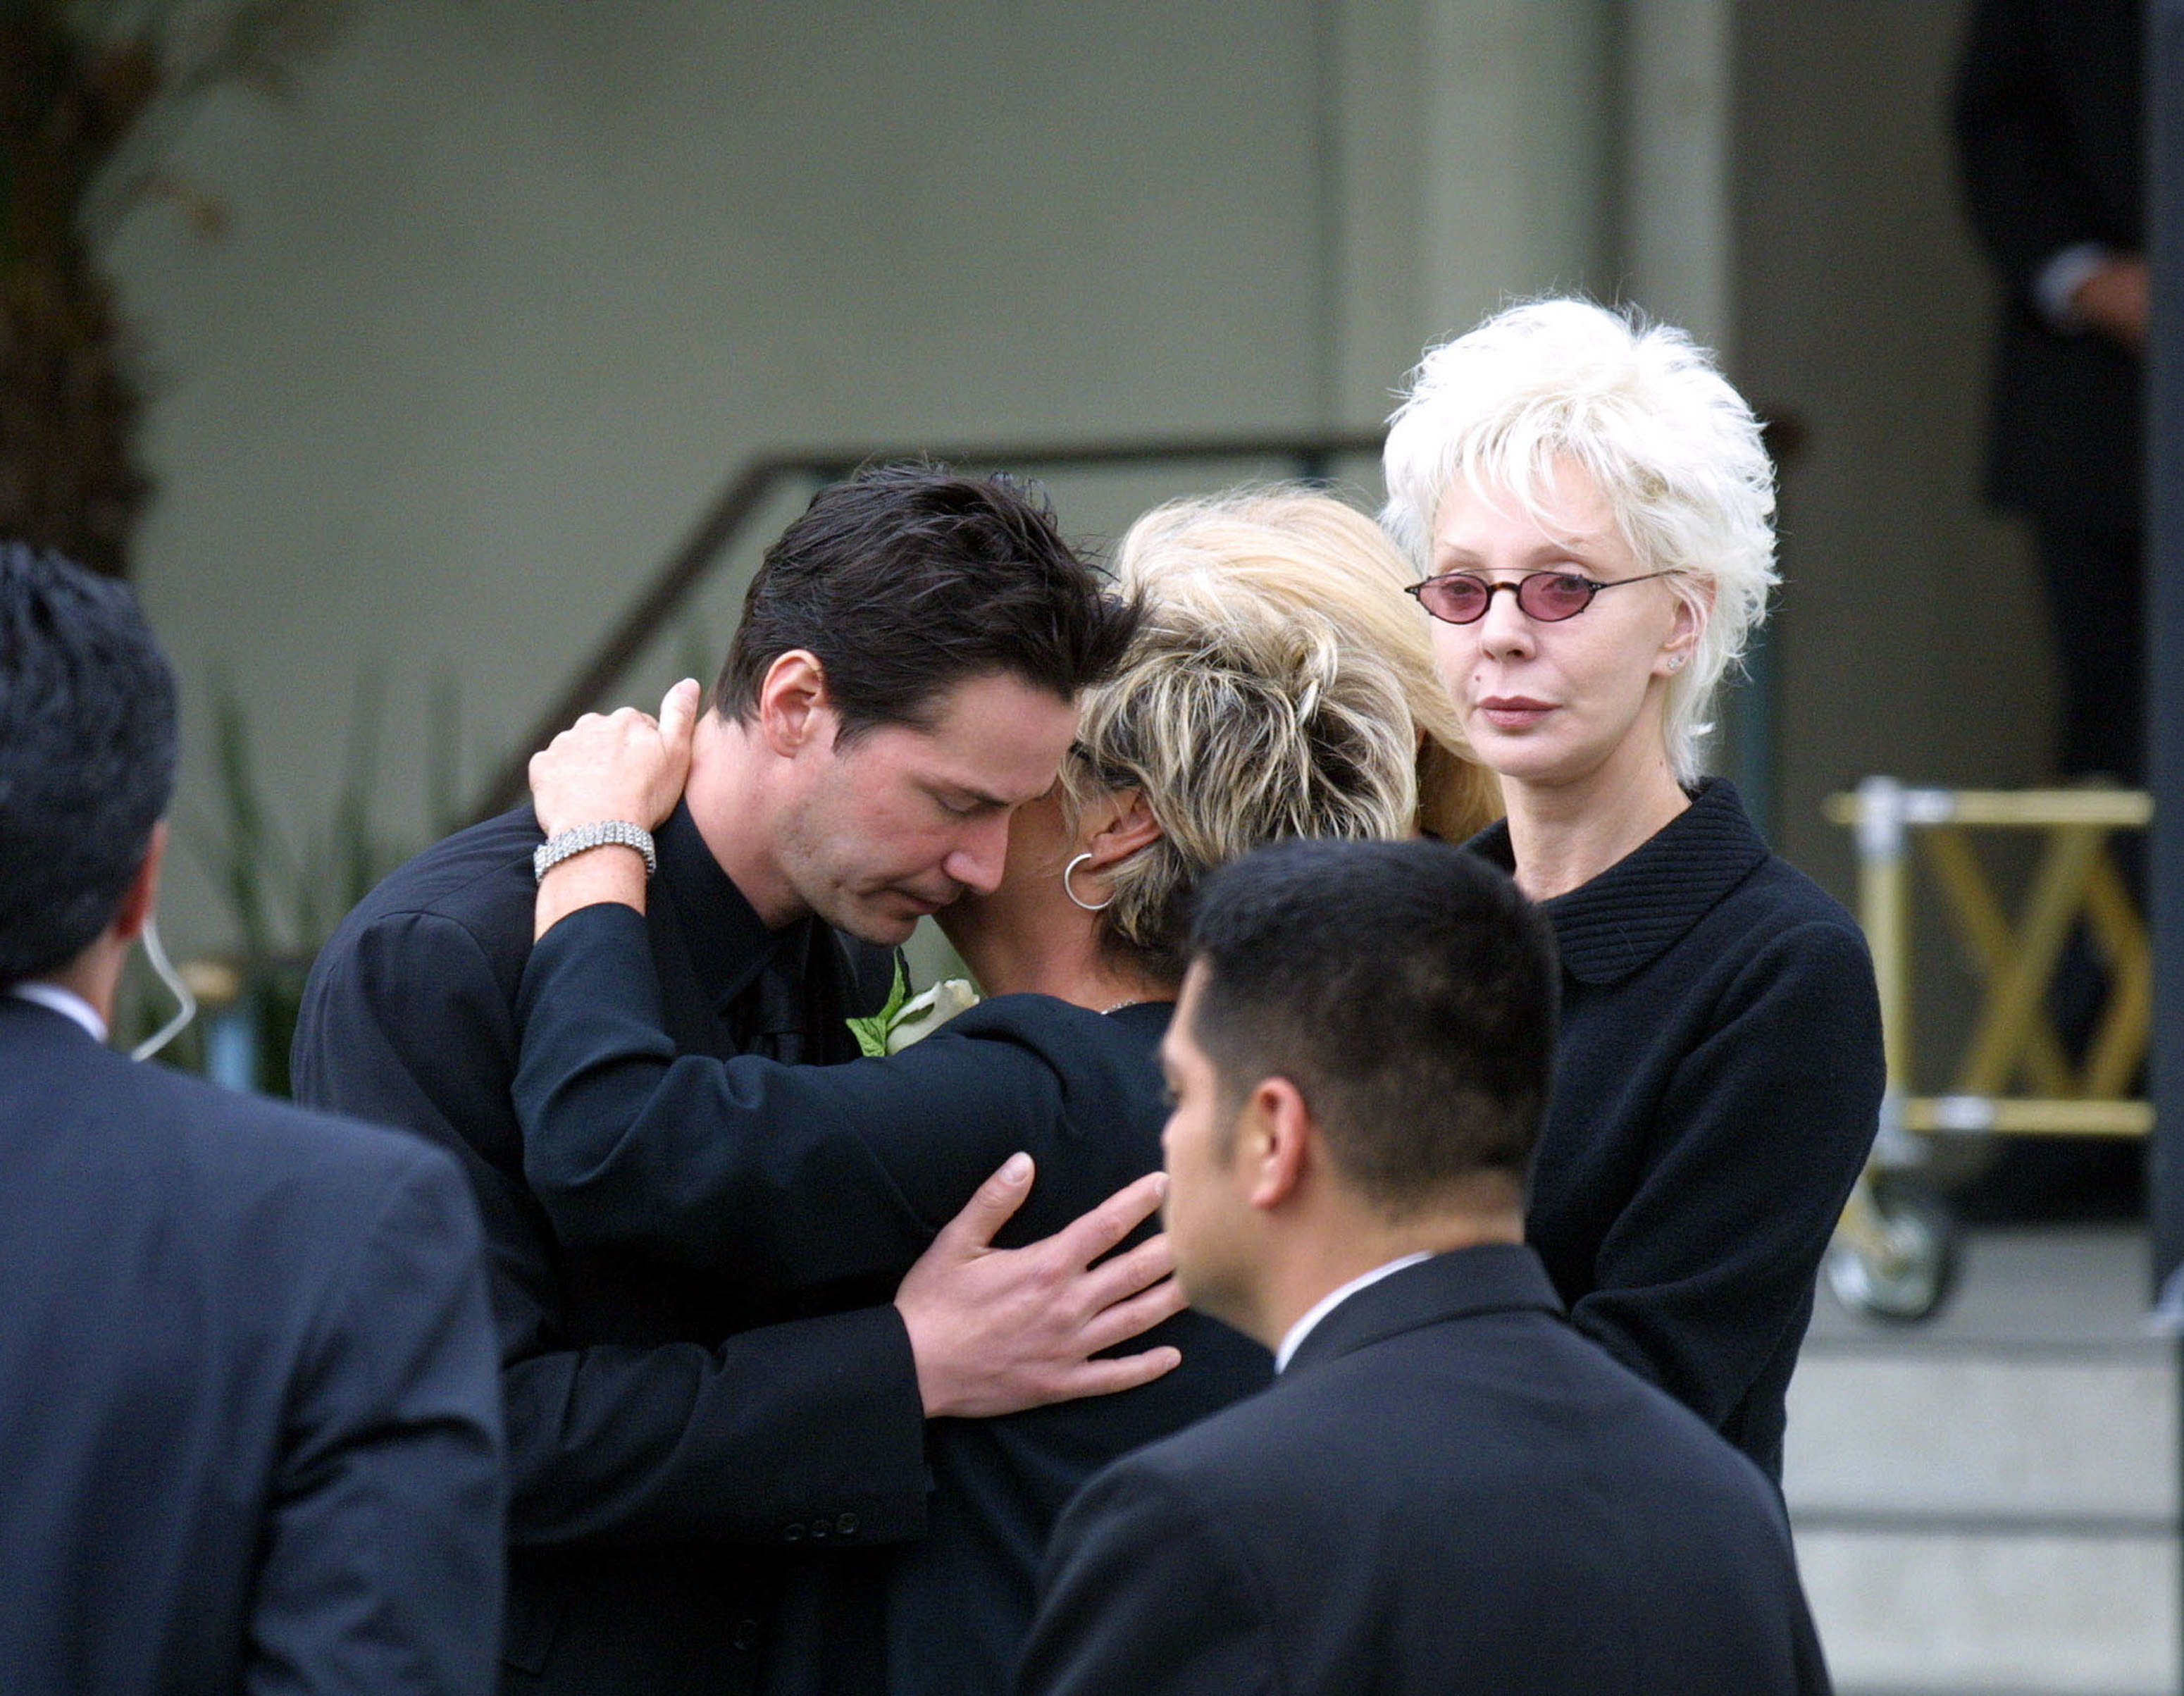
(143, 893)
(1274, 1138)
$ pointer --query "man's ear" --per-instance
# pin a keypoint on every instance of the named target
(142, 896)
(796, 712)
(1275, 1135)
(1121, 823)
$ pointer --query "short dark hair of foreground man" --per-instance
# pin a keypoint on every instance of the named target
(1447, 1489)
(690, 1455)
(247, 1406)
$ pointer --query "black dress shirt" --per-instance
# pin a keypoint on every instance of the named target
(1447, 1492)
(667, 1455)
(792, 1176)
(1717, 1082)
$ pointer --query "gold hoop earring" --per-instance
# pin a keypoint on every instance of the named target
(1069, 872)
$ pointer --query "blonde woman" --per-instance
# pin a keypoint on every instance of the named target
(1307, 549)
(1255, 705)
(1591, 508)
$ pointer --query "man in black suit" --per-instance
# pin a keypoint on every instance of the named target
(2049, 121)
(1447, 1489)
(686, 1452)
(249, 1404)
(2049, 117)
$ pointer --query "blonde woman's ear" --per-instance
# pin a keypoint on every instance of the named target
(1130, 828)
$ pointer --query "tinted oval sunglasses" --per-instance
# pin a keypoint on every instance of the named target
(1544, 597)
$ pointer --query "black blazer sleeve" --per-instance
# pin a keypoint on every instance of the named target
(610, 1444)
(1142, 1592)
(1705, 1267)
(382, 1559)
(789, 1174)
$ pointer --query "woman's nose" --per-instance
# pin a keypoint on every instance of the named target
(1503, 629)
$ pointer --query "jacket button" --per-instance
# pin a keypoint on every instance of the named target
(820, 1528)
(847, 1525)
(792, 1534)
(746, 1637)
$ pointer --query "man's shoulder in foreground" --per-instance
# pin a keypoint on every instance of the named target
(279, 1385)
(1485, 1490)
(222, 1147)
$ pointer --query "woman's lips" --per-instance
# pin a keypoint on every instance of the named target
(1514, 711)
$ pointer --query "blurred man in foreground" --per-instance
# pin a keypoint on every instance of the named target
(248, 1389)
(1447, 1489)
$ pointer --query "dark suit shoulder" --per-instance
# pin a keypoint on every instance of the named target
(245, 1145)
(1541, 1406)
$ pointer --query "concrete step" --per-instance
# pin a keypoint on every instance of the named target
(1954, 1613)
(2036, 1431)
(1987, 1505)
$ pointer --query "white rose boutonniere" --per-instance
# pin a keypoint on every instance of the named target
(922, 1015)
(908, 1018)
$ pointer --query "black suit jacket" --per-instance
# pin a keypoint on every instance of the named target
(791, 1175)
(249, 1423)
(1448, 1491)
(2049, 121)
(672, 1436)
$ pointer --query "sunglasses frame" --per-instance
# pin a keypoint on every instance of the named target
(1516, 587)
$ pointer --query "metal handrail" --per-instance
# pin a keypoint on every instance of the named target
(745, 492)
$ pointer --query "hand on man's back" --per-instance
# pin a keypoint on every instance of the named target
(995, 1331)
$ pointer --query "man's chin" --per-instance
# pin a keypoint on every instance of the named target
(882, 920)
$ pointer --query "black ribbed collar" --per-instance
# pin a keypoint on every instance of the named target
(1642, 906)
(729, 943)
(1490, 1277)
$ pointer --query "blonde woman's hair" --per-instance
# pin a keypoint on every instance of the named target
(1673, 450)
(1273, 691)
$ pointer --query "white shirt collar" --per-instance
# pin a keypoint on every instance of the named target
(1334, 1298)
(66, 1003)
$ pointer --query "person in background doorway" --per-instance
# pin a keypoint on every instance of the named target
(2049, 124)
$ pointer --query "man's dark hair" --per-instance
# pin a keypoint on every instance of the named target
(1406, 989)
(908, 580)
(86, 755)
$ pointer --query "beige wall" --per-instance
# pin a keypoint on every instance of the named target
(513, 283)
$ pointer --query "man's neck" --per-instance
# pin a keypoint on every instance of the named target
(93, 977)
(731, 804)
(1336, 1251)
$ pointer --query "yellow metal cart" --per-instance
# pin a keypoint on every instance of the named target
(1894, 1250)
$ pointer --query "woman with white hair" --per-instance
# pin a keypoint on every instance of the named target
(1269, 694)
(1592, 507)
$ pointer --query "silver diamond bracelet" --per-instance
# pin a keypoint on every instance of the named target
(555, 850)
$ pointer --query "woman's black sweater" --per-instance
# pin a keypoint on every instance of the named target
(1717, 1085)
